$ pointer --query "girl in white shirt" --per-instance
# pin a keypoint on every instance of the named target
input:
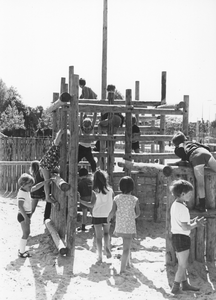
(181, 226)
(101, 204)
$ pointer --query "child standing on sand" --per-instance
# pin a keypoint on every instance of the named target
(101, 204)
(24, 203)
(126, 208)
(181, 226)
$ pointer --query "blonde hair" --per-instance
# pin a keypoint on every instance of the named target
(24, 179)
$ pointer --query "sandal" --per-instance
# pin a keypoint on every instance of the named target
(24, 254)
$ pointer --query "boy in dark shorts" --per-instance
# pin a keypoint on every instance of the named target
(85, 190)
(199, 156)
(181, 226)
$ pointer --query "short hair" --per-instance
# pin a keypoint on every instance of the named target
(83, 172)
(178, 138)
(126, 184)
(24, 179)
(180, 186)
(82, 82)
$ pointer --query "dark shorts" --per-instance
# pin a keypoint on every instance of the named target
(98, 221)
(20, 217)
(135, 146)
(181, 242)
(200, 156)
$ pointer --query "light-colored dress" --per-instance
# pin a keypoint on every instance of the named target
(125, 215)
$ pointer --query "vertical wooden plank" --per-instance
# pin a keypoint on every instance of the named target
(137, 97)
(192, 254)
(111, 144)
(73, 165)
(128, 130)
(200, 244)
(185, 115)
(210, 239)
(210, 185)
(163, 117)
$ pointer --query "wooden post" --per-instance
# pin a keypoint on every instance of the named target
(137, 97)
(61, 183)
(192, 254)
(104, 52)
(56, 238)
(200, 244)
(185, 115)
(128, 130)
(162, 117)
(210, 239)
(111, 144)
(73, 162)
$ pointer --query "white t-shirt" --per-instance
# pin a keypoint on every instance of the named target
(179, 213)
(26, 198)
(103, 204)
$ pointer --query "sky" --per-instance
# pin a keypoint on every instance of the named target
(40, 39)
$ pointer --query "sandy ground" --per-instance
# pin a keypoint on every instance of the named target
(48, 276)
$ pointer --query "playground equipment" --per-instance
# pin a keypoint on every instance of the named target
(152, 183)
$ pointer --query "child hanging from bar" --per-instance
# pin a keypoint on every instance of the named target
(87, 128)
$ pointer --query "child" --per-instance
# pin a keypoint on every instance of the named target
(24, 203)
(87, 92)
(86, 128)
(85, 190)
(135, 134)
(199, 156)
(50, 163)
(126, 208)
(101, 204)
(181, 226)
(39, 194)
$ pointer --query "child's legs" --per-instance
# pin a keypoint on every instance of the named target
(106, 228)
(199, 175)
(25, 229)
(34, 204)
(84, 216)
(90, 159)
(99, 235)
(182, 265)
(46, 176)
(126, 253)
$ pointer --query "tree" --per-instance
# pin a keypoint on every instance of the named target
(12, 119)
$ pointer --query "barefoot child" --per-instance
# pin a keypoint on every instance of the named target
(101, 204)
(24, 203)
(181, 226)
(126, 208)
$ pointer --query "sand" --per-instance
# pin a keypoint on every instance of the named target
(49, 276)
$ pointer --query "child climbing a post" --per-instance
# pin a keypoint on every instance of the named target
(87, 128)
(181, 226)
(126, 208)
(199, 156)
(50, 164)
(24, 203)
(101, 204)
